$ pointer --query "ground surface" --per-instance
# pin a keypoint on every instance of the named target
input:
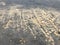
(29, 26)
